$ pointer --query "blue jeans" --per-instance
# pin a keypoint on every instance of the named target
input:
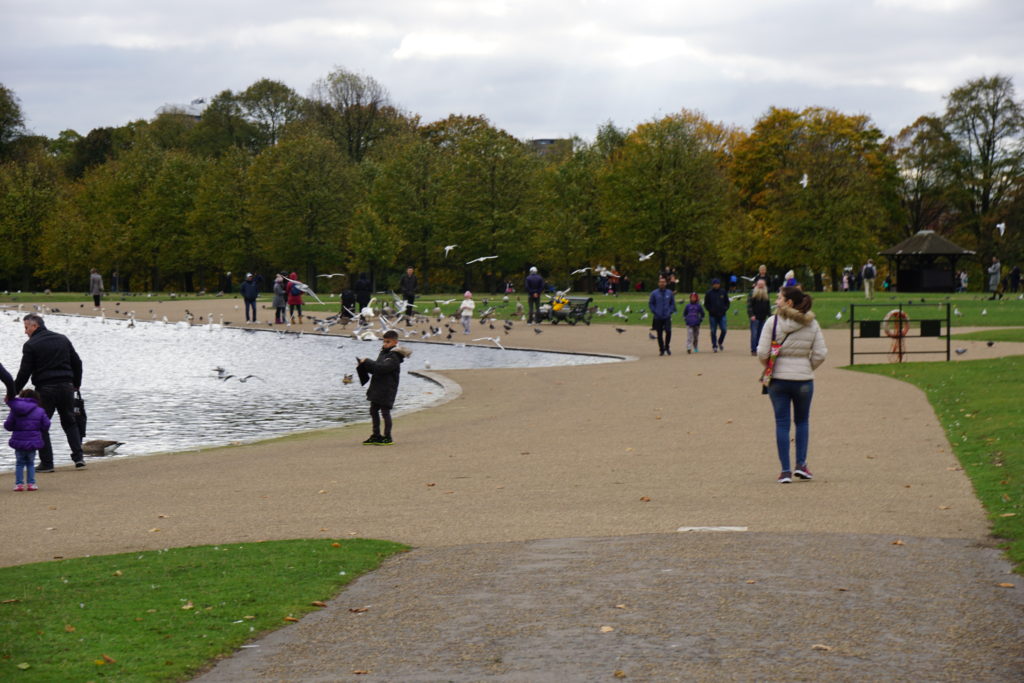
(784, 392)
(24, 466)
(717, 321)
(755, 334)
(249, 304)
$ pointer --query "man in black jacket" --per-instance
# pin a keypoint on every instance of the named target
(50, 360)
(716, 301)
(383, 375)
(408, 288)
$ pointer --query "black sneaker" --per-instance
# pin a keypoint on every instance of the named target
(44, 469)
(373, 440)
(385, 441)
(79, 463)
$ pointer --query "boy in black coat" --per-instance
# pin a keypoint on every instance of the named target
(383, 385)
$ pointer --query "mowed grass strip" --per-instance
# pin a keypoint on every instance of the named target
(978, 403)
(164, 615)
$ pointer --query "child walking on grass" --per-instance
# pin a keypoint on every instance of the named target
(693, 314)
(383, 385)
(27, 420)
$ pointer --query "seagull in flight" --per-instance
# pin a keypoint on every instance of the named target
(448, 249)
(304, 288)
(496, 340)
(1001, 227)
(579, 271)
(644, 257)
(803, 181)
(480, 260)
(330, 275)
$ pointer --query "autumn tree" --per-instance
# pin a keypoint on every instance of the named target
(923, 154)
(27, 192)
(270, 106)
(353, 110)
(817, 186)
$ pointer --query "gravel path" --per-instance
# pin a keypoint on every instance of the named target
(540, 499)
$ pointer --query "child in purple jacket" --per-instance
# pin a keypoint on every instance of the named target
(693, 314)
(27, 420)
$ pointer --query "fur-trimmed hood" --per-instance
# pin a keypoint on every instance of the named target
(402, 351)
(791, 320)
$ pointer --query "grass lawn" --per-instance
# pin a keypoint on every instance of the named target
(979, 406)
(164, 615)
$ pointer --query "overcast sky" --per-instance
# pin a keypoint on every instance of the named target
(536, 68)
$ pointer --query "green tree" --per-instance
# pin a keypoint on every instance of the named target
(354, 111)
(222, 127)
(489, 180)
(924, 155)
(223, 239)
(27, 192)
(372, 243)
(665, 191)
(302, 193)
(986, 124)
(12, 121)
(270, 106)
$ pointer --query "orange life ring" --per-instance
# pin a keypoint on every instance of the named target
(895, 329)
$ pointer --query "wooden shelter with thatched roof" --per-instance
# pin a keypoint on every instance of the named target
(925, 262)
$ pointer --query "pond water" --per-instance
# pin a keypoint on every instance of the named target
(154, 386)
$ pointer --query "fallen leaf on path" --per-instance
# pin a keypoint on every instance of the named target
(645, 499)
(945, 507)
(163, 516)
(322, 491)
(1007, 585)
(606, 629)
(823, 648)
(431, 484)
(1008, 514)
(841, 589)
(620, 607)
(335, 545)
(290, 619)
(898, 542)
(154, 530)
(360, 672)
(188, 605)
(318, 603)
(69, 628)
(358, 610)
(108, 658)
(619, 673)
(7, 602)
(119, 573)
(751, 581)
(24, 666)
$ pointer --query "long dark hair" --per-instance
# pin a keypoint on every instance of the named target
(801, 300)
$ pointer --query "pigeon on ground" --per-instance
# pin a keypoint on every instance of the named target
(961, 352)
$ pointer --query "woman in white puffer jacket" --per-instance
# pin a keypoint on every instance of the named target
(792, 379)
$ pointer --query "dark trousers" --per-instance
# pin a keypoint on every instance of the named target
(663, 326)
(250, 304)
(59, 397)
(717, 330)
(533, 312)
(410, 299)
(376, 411)
(96, 300)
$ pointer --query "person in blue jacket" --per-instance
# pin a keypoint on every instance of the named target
(663, 306)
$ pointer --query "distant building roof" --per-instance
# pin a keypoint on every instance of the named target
(926, 242)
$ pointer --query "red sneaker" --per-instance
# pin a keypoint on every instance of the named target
(802, 472)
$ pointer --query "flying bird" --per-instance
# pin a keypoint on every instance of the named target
(803, 181)
(496, 340)
(330, 275)
(579, 271)
(1001, 227)
(480, 260)
(644, 257)
(448, 249)
(304, 288)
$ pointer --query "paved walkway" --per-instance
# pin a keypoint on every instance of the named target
(542, 498)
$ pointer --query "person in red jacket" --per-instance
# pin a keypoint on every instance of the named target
(294, 297)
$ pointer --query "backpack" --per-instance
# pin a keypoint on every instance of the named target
(869, 272)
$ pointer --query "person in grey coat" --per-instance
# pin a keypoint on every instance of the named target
(95, 287)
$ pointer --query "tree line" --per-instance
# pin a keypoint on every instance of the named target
(344, 180)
